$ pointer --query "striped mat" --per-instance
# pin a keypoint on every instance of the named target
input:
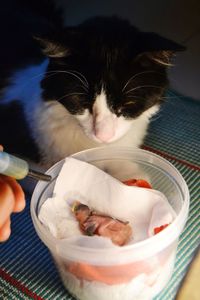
(26, 268)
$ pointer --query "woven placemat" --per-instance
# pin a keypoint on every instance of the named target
(26, 268)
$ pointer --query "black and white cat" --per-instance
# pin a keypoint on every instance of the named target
(92, 85)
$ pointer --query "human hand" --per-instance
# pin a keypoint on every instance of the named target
(11, 200)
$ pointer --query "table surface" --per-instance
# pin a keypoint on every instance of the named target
(26, 268)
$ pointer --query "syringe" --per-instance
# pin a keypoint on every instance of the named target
(18, 168)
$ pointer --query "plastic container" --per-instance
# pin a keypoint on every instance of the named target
(131, 272)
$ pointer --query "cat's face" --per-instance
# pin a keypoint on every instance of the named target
(107, 74)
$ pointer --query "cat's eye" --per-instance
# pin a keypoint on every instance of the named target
(131, 102)
(126, 106)
(130, 109)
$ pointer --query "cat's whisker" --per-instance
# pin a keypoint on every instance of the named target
(82, 87)
(70, 94)
(77, 72)
(55, 72)
(78, 77)
(143, 86)
(136, 75)
(71, 73)
(174, 96)
(85, 87)
(86, 82)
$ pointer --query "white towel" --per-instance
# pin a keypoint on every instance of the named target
(143, 208)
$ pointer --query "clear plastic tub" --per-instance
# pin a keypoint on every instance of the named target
(132, 272)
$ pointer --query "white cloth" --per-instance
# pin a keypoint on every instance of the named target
(143, 208)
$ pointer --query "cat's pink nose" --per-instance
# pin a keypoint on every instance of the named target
(104, 129)
(104, 136)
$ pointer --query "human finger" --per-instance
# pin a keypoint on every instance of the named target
(18, 193)
(5, 230)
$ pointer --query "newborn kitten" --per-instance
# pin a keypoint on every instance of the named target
(96, 84)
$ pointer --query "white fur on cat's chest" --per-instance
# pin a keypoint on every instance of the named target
(58, 133)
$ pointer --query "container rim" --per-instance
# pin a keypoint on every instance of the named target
(171, 232)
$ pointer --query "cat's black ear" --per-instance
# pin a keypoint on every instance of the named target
(158, 49)
(154, 42)
(162, 57)
(52, 48)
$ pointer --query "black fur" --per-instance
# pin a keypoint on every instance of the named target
(107, 51)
